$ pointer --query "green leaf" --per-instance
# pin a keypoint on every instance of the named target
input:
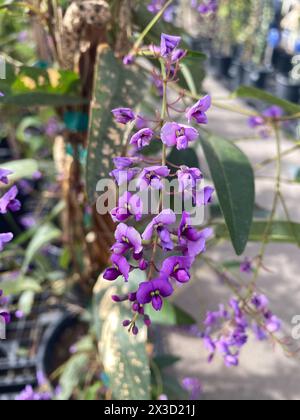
(26, 301)
(186, 157)
(24, 168)
(170, 315)
(123, 355)
(262, 95)
(41, 99)
(164, 361)
(22, 284)
(72, 374)
(43, 236)
(233, 178)
(281, 232)
(114, 86)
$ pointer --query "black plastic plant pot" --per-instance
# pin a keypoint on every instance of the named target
(236, 73)
(287, 89)
(256, 77)
(221, 66)
(51, 355)
(282, 61)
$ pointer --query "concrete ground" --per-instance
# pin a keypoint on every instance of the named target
(265, 372)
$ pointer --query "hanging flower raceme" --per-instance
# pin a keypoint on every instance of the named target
(164, 244)
(262, 122)
(228, 329)
(8, 203)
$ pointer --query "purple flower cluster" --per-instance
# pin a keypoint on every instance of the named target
(227, 330)
(205, 7)
(8, 203)
(274, 113)
(41, 394)
(174, 237)
(156, 5)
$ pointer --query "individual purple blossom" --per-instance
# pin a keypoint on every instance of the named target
(152, 177)
(5, 238)
(121, 267)
(4, 173)
(205, 196)
(198, 111)
(193, 386)
(192, 241)
(179, 135)
(123, 115)
(153, 292)
(256, 121)
(168, 44)
(177, 268)
(188, 178)
(208, 6)
(160, 225)
(29, 394)
(122, 176)
(9, 202)
(178, 55)
(246, 266)
(125, 162)
(129, 205)
(127, 239)
(52, 127)
(128, 59)
(274, 112)
(142, 138)
(3, 313)
(156, 5)
(272, 322)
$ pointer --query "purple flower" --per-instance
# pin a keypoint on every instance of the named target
(246, 266)
(9, 202)
(129, 205)
(193, 387)
(177, 268)
(260, 334)
(121, 267)
(127, 239)
(273, 324)
(125, 162)
(152, 177)
(168, 44)
(123, 115)
(128, 59)
(122, 176)
(204, 197)
(173, 134)
(156, 5)
(4, 314)
(260, 302)
(160, 224)
(192, 241)
(4, 173)
(256, 121)
(178, 55)
(198, 111)
(28, 394)
(274, 112)
(188, 178)
(142, 138)
(153, 291)
(52, 127)
(5, 238)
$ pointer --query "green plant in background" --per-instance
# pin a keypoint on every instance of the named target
(73, 158)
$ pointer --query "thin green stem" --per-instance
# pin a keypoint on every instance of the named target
(150, 26)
